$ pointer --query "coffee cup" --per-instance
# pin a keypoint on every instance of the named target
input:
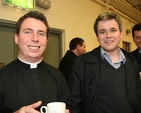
(54, 107)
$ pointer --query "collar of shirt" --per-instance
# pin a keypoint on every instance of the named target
(117, 63)
(32, 65)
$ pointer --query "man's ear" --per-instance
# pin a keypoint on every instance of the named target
(78, 46)
(121, 34)
(16, 38)
(97, 38)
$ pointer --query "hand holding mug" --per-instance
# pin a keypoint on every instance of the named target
(29, 108)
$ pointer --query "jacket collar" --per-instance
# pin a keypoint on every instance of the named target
(95, 58)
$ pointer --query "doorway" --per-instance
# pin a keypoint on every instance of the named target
(52, 54)
(7, 47)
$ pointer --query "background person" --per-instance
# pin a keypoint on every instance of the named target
(76, 48)
(106, 79)
(136, 34)
(28, 83)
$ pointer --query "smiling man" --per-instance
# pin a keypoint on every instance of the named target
(28, 82)
(106, 79)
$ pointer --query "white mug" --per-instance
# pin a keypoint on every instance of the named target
(54, 107)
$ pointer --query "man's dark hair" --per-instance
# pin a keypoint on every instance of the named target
(107, 16)
(74, 42)
(32, 14)
(136, 27)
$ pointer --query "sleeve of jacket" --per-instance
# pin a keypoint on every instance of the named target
(75, 83)
(139, 88)
(138, 82)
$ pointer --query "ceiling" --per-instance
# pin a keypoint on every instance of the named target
(130, 8)
(135, 3)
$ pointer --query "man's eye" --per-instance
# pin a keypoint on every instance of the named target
(41, 34)
(102, 32)
(138, 37)
(27, 32)
(113, 30)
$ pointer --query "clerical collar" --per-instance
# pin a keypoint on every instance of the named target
(32, 65)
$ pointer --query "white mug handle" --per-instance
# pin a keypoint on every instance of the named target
(43, 107)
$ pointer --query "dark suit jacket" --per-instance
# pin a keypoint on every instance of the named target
(85, 77)
(66, 63)
(137, 55)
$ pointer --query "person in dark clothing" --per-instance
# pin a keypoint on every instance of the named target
(76, 48)
(136, 34)
(28, 83)
(106, 79)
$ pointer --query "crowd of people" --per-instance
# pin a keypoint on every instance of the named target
(104, 80)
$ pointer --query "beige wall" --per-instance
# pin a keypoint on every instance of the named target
(74, 17)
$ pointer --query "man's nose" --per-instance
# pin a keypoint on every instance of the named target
(108, 34)
(35, 37)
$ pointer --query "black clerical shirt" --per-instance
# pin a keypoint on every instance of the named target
(20, 85)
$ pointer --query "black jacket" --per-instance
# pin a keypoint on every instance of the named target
(66, 63)
(85, 76)
(137, 55)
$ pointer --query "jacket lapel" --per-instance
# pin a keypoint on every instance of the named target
(94, 60)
